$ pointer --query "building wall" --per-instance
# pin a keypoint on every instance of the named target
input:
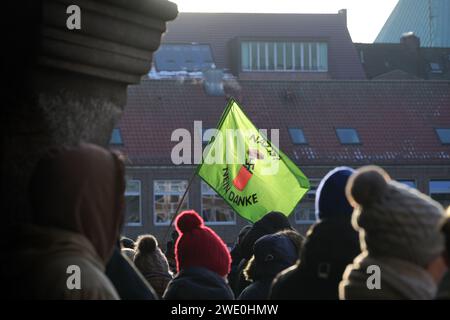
(420, 174)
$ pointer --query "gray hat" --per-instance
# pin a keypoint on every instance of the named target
(393, 219)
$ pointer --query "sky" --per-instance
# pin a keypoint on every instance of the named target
(365, 18)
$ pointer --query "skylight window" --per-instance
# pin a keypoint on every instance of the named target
(297, 136)
(435, 67)
(348, 136)
(184, 57)
(116, 137)
(444, 135)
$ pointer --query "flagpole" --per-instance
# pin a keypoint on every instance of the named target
(224, 113)
(179, 204)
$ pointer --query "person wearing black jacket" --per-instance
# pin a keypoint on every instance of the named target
(331, 244)
(273, 254)
(128, 281)
(272, 222)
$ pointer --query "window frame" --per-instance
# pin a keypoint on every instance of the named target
(347, 143)
(439, 136)
(285, 44)
(443, 202)
(303, 134)
(166, 224)
(140, 223)
(213, 62)
(313, 182)
(215, 223)
(402, 181)
(435, 180)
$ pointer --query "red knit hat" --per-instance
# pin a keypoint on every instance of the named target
(199, 246)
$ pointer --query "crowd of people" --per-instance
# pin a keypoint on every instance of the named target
(365, 222)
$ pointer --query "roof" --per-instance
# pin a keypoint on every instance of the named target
(396, 74)
(414, 16)
(381, 58)
(217, 29)
(395, 120)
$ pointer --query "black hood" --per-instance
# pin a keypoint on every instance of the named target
(269, 224)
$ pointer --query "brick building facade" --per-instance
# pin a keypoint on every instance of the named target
(327, 113)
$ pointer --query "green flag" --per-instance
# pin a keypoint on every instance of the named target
(250, 173)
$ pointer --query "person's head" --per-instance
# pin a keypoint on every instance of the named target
(81, 189)
(129, 253)
(331, 201)
(395, 220)
(127, 243)
(295, 237)
(149, 257)
(242, 233)
(272, 254)
(199, 246)
(268, 224)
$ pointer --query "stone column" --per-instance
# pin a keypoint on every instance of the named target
(62, 86)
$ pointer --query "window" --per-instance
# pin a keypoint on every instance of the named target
(167, 195)
(187, 57)
(435, 67)
(133, 203)
(444, 135)
(214, 209)
(284, 56)
(440, 191)
(297, 136)
(116, 137)
(348, 136)
(305, 213)
(409, 183)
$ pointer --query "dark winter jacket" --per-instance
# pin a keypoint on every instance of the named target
(273, 254)
(331, 244)
(258, 290)
(269, 224)
(127, 280)
(198, 283)
(444, 288)
(237, 258)
(329, 247)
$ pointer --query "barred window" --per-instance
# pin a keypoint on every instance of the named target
(214, 209)
(133, 215)
(166, 196)
(284, 56)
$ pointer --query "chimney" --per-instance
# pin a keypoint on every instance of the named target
(343, 13)
(213, 82)
(410, 40)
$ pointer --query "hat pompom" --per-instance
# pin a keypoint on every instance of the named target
(367, 185)
(147, 244)
(187, 221)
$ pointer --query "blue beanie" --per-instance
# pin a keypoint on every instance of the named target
(331, 200)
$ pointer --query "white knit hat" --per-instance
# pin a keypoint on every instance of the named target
(393, 219)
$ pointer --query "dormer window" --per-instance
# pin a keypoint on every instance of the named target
(284, 56)
(184, 57)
